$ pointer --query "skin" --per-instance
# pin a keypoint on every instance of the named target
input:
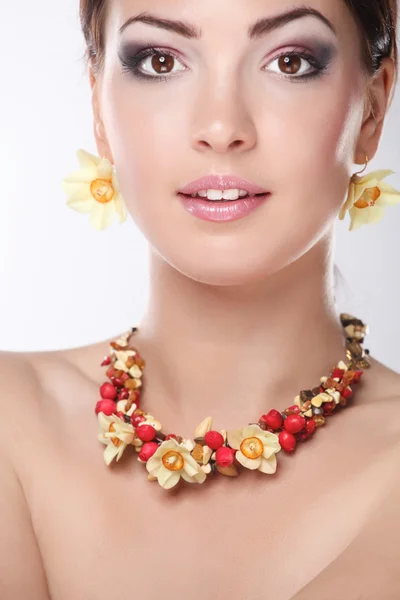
(220, 295)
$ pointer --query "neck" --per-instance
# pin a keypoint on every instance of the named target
(233, 353)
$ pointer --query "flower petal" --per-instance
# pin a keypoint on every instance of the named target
(377, 175)
(154, 464)
(87, 160)
(375, 214)
(121, 450)
(110, 453)
(82, 176)
(348, 203)
(186, 476)
(101, 215)
(268, 465)
(173, 480)
(252, 431)
(235, 438)
(82, 206)
(120, 208)
(388, 197)
(249, 463)
(190, 466)
(105, 169)
(167, 479)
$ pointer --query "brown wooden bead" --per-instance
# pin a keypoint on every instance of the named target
(319, 420)
(197, 453)
(131, 384)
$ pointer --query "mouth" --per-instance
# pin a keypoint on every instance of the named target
(223, 200)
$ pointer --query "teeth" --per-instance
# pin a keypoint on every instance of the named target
(232, 194)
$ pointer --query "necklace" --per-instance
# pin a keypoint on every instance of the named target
(169, 457)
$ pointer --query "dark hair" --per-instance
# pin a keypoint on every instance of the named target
(377, 20)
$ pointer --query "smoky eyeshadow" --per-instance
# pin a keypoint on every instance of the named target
(324, 51)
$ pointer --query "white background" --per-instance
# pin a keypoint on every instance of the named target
(62, 283)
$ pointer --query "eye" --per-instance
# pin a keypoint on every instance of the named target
(295, 64)
(152, 63)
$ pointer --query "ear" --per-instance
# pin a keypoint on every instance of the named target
(378, 96)
(100, 135)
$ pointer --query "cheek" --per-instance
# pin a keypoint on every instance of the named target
(146, 134)
(308, 139)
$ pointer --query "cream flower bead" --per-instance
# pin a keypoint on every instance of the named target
(256, 448)
(367, 198)
(117, 435)
(171, 461)
(94, 189)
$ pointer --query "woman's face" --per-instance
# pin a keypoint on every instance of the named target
(226, 103)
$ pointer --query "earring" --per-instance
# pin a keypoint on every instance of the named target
(94, 189)
(367, 197)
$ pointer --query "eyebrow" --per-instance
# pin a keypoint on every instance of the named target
(255, 31)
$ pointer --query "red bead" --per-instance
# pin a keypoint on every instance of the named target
(170, 436)
(146, 433)
(294, 423)
(106, 362)
(120, 414)
(310, 426)
(107, 407)
(123, 394)
(117, 381)
(124, 377)
(224, 456)
(287, 441)
(294, 408)
(214, 440)
(147, 451)
(347, 393)
(337, 373)
(273, 419)
(357, 376)
(136, 419)
(328, 407)
(110, 372)
(108, 391)
(308, 431)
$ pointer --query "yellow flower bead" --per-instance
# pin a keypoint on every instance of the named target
(367, 198)
(94, 189)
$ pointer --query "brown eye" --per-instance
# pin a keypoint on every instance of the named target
(289, 64)
(295, 65)
(162, 63)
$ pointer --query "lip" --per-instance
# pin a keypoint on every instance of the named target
(231, 210)
(222, 182)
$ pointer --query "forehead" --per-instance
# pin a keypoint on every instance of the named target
(211, 17)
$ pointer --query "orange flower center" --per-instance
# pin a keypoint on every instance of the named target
(102, 190)
(116, 441)
(252, 447)
(173, 461)
(368, 197)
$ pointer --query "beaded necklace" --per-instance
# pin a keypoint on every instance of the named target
(170, 457)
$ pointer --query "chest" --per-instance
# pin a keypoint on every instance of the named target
(106, 532)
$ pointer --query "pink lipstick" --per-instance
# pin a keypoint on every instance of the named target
(243, 198)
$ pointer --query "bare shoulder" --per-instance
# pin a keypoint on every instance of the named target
(382, 384)
(18, 394)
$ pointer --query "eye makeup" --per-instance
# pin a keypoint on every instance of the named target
(133, 54)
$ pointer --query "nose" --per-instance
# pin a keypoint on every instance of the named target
(222, 124)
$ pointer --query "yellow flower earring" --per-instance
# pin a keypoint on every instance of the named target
(94, 189)
(367, 197)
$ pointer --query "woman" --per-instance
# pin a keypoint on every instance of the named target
(271, 99)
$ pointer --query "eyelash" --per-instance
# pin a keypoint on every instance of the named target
(131, 64)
